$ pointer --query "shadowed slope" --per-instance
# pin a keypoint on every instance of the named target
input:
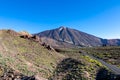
(68, 69)
(104, 74)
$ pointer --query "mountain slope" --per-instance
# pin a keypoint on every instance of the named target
(26, 56)
(71, 36)
(67, 37)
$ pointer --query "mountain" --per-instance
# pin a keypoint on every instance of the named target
(67, 37)
(113, 42)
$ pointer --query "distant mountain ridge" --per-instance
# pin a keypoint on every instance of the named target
(67, 37)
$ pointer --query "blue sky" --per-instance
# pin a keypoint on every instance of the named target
(97, 17)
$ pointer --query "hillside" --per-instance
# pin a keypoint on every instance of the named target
(67, 37)
(26, 56)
